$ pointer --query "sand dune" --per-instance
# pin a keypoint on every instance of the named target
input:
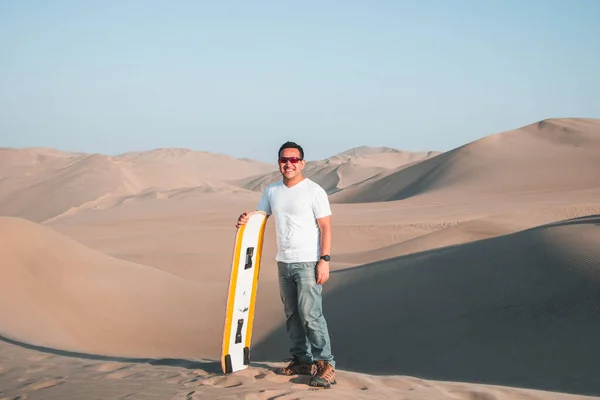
(519, 310)
(551, 155)
(394, 157)
(13, 160)
(43, 183)
(22, 168)
(460, 232)
(452, 272)
(203, 188)
(140, 197)
(176, 168)
(85, 179)
(362, 151)
(57, 293)
(346, 168)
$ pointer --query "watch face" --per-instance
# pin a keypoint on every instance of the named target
(326, 258)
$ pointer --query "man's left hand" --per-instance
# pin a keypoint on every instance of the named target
(322, 272)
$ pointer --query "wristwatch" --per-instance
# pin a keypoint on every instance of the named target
(326, 257)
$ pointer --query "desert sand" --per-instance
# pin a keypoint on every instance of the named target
(467, 274)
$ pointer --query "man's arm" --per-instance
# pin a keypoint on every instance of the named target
(325, 227)
(323, 266)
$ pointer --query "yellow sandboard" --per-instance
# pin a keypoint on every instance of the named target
(243, 282)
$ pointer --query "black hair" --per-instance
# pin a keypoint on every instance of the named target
(291, 145)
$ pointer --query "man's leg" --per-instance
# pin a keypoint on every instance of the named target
(311, 312)
(288, 292)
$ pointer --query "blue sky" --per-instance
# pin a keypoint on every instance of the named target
(241, 77)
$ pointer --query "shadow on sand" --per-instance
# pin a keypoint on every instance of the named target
(209, 366)
(520, 310)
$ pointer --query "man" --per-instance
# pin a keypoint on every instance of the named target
(303, 226)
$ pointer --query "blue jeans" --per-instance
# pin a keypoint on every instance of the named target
(302, 303)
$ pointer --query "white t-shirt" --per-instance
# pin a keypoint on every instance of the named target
(295, 210)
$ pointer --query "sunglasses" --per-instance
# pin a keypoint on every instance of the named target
(293, 160)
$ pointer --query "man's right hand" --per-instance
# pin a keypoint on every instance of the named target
(243, 218)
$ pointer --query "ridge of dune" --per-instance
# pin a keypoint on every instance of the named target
(203, 188)
(550, 155)
(180, 167)
(517, 310)
(11, 157)
(66, 183)
(378, 151)
(57, 293)
(344, 169)
(360, 151)
(141, 195)
(20, 168)
(465, 231)
(84, 179)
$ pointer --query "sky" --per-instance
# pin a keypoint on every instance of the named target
(242, 77)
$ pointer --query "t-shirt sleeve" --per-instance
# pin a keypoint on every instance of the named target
(321, 206)
(263, 204)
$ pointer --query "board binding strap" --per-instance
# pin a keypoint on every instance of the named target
(241, 298)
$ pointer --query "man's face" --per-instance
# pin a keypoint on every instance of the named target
(288, 168)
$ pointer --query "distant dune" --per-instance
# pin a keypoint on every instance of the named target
(40, 184)
(14, 161)
(50, 192)
(363, 151)
(346, 168)
(177, 168)
(551, 155)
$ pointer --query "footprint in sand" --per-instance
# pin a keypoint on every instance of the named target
(228, 381)
(40, 357)
(110, 367)
(273, 394)
(192, 378)
(357, 382)
(186, 379)
(185, 396)
(113, 370)
(123, 374)
(199, 372)
(44, 384)
(261, 375)
(404, 383)
(472, 395)
(179, 379)
(35, 370)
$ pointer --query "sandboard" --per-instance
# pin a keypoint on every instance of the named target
(237, 333)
